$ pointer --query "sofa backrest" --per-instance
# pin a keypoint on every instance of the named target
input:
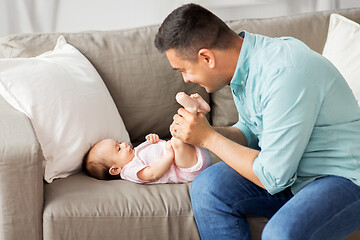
(140, 79)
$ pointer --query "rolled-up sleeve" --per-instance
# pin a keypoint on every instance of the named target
(290, 108)
(251, 139)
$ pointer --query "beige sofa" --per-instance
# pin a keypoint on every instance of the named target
(143, 86)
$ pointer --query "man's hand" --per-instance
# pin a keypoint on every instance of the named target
(190, 128)
(152, 138)
(195, 129)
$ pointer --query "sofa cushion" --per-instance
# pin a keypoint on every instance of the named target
(80, 207)
(342, 48)
(223, 109)
(139, 78)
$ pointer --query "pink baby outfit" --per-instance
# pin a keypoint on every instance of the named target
(146, 154)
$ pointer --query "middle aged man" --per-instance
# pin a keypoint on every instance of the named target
(294, 154)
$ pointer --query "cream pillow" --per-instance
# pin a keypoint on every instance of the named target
(67, 102)
(342, 48)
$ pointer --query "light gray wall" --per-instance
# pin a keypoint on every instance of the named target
(19, 16)
(117, 14)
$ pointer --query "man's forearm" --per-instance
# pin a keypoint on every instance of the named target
(237, 156)
(233, 134)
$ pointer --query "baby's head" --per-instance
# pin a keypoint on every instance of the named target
(106, 158)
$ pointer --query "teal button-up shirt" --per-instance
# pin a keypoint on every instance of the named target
(296, 107)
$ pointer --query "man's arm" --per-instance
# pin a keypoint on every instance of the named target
(238, 157)
(232, 133)
(195, 129)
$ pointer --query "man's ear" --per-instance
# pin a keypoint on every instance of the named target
(207, 56)
(114, 170)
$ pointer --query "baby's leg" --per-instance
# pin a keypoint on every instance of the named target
(185, 154)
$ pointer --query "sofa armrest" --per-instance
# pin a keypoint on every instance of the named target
(21, 177)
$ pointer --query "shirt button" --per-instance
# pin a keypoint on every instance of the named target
(242, 82)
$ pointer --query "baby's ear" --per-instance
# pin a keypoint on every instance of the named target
(114, 170)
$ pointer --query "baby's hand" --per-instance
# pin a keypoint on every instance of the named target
(152, 138)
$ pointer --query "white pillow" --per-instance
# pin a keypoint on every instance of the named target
(342, 48)
(67, 102)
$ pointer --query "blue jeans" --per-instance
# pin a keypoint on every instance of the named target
(328, 208)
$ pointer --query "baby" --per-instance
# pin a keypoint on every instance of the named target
(155, 160)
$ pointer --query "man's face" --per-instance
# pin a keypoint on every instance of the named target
(197, 71)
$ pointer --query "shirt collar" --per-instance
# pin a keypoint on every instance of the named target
(242, 68)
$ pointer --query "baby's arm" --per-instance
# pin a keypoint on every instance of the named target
(157, 170)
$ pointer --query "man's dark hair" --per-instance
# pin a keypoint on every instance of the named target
(190, 28)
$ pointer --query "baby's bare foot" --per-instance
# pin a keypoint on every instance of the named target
(203, 105)
(190, 104)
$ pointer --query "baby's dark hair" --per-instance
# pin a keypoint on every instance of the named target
(97, 168)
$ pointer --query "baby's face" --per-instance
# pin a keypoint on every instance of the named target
(119, 153)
